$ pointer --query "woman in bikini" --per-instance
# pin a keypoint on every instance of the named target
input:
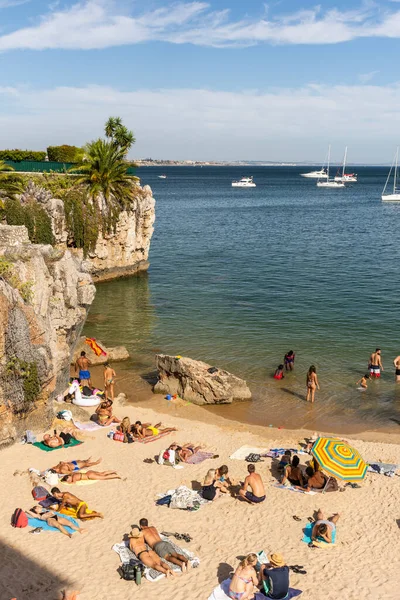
(244, 580)
(54, 520)
(109, 380)
(143, 430)
(104, 414)
(149, 558)
(293, 475)
(312, 383)
(91, 476)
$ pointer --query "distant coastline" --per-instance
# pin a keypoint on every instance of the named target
(150, 162)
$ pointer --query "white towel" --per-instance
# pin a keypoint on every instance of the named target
(244, 451)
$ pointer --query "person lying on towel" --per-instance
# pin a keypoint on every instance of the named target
(164, 549)
(66, 468)
(143, 430)
(53, 520)
(323, 527)
(91, 476)
(149, 558)
(57, 440)
(73, 507)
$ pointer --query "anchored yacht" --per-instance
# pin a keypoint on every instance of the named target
(246, 182)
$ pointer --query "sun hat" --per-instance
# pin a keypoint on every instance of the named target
(135, 533)
(276, 559)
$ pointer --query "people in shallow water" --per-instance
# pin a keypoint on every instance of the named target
(279, 372)
(312, 383)
(375, 365)
(396, 363)
(289, 360)
(363, 381)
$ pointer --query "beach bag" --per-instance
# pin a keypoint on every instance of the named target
(253, 458)
(65, 415)
(128, 572)
(39, 493)
(51, 478)
(30, 437)
(19, 518)
(118, 436)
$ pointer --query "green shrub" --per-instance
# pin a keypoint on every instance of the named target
(28, 372)
(83, 220)
(19, 155)
(8, 273)
(33, 216)
(63, 154)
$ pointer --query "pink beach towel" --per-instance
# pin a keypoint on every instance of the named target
(199, 457)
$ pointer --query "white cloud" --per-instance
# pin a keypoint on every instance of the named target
(11, 3)
(100, 24)
(283, 124)
(367, 77)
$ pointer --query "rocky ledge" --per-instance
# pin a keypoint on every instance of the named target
(198, 382)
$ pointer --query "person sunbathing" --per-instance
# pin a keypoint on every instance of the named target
(324, 528)
(58, 440)
(187, 451)
(254, 482)
(90, 476)
(293, 475)
(164, 549)
(149, 558)
(104, 414)
(65, 468)
(143, 430)
(244, 580)
(54, 520)
(72, 506)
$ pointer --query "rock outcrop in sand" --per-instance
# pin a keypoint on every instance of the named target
(198, 382)
(45, 294)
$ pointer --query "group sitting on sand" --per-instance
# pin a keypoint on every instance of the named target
(217, 482)
(313, 479)
(272, 578)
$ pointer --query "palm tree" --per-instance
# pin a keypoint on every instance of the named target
(104, 171)
(9, 184)
(119, 134)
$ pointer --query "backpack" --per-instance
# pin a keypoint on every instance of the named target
(253, 458)
(19, 518)
(132, 572)
(51, 478)
(39, 493)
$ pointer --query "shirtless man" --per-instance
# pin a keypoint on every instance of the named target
(316, 479)
(66, 468)
(396, 363)
(164, 549)
(82, 365)
(67, 500)
(375, 363)
(254, 482)
(54, 520)
(149, 558)
(90, 476)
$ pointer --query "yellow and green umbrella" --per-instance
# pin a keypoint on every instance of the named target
(339, 459)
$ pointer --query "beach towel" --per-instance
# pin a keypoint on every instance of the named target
(127, 556)
(293, 489)
(90, 426)
(199, 457)
(221, 592)
(380, 468)
(152, 438)
(244, 451)
(277, 452)
(72, 511)
(184, 498)
(320, 542)
(42, 446)
(84, 482)
(32, 522)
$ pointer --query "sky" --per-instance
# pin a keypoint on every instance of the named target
(204, 80)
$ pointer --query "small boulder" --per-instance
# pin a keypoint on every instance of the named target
(118, 353)
(198, 382)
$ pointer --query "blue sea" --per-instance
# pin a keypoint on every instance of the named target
(240, 276)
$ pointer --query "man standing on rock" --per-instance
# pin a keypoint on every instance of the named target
(82, 365)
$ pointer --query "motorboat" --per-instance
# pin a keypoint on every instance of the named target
(162, 177)
(330, 183)
(245, 182)
(395, 195)
(345, 177)
(315, 174)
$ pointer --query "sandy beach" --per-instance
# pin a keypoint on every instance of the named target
(363, 564)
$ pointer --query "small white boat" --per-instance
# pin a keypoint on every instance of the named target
(395, 195)
(315, 174)
(162, 177)
(330, 183)
(345, 177)
(246, 182)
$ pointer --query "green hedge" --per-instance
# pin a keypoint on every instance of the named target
(64, 154)
(19, 155)
(33, 216)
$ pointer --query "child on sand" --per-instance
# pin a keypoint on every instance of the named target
(363, 381)
(109, 380)
(279, 372)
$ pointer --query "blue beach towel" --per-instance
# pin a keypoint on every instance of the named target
(308, 531)
(32, 522)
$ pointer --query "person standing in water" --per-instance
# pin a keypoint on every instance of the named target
(289, 360)
(396, 363)
(375, 364)
(312, 383)
(109, 380)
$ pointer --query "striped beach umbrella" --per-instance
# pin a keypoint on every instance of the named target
(339, 459)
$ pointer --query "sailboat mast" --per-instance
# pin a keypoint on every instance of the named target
(329, 160)
(344, 161)
(395, 170)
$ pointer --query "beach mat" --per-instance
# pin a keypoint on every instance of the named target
(43, 446)
(199, 457)
(152, 438)
(293, 489)
(90, 425)
(244, 451)
(85, 482)
(320, 543)
(32, 522)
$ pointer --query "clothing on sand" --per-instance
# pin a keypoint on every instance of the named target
(243, 451)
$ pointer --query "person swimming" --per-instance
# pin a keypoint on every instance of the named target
(363, 381)
(289, 360)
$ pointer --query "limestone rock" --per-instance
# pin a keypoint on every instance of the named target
(192, 380)
(116, 354)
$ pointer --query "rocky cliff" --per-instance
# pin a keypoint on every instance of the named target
(45, 294)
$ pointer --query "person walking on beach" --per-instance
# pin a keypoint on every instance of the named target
(82, 365)
(164, 549)
(312, 384)
(254, 482)
(109, 380)
(375, 365)
(289, 360)
(396, 363)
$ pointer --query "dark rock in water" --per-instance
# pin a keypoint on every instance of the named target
(197, 381)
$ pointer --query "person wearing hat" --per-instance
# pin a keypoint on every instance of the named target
(275, 577)
(149, 558)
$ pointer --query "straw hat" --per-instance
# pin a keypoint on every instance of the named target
(135, 533)
(276, 560)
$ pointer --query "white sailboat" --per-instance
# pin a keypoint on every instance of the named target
(346, 177)
(330, 183)
(395, 195)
